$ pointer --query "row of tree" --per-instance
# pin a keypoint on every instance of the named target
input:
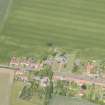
(66, 88)
(95, 94)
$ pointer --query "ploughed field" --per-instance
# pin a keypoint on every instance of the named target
(6, 79)
(70, 24)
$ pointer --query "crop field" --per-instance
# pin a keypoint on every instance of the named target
(69, 24)
(3, 8)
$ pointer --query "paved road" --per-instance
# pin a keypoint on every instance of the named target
(81, 79)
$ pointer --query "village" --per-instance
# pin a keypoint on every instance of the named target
(85, 80)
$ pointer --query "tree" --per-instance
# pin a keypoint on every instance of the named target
(34, 86)
(46, 71)
(84, 87)
(49, 44)
(102, 66)
(26, 93)
(73, 89)
(75, 68)
(60, 88)
(94, 94)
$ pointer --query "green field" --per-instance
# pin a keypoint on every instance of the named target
(69, 24)
(16, 88)
(3, 9)
(61, 100)
(15, 100)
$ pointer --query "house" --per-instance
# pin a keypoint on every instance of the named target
(44, 82)
(13, 62)
(77, 62)
(90, 68)
(18, 72)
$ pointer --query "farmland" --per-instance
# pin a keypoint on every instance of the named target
(35, 28)
(69, 24)
(15, 93)
(3, 8)
(59, 100)
(6, 77)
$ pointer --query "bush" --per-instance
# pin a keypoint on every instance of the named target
(49, 44)
(26, 93)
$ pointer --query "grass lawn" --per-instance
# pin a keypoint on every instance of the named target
(70, 24)
(62, 100)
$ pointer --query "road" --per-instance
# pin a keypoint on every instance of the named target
(81, 79)
(71, 77)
